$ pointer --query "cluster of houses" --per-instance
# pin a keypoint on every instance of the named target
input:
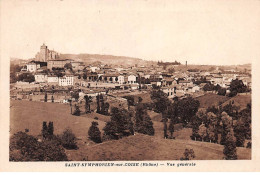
(98, 76)
(104, 76)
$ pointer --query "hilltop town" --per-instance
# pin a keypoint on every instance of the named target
(47, 73)
(174, 101)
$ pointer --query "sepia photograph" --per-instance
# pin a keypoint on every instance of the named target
(102, 83)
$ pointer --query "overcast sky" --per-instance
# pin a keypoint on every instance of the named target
(201, 32)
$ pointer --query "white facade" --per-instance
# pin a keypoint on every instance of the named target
(31, 67)
(94, 69)
(40, 78)
(169, 91)
(147, 76)
(52, 79)
(131, 79)
(121, 79)
(195, 89)
(66, 81)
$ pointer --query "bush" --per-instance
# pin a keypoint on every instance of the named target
(68, 139)
(47, 130)
(96, 118)
(230, 152)
(222, 91)
(94, 133)
(24, 147)
(120, 124)
(188, 154)
(76, 111)
(249, 145)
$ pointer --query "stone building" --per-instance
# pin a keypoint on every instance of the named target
(45, 54)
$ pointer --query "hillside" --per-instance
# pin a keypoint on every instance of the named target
(105, 59)
(210, 99)
(29, 114)
(240, 100)
(143, 147)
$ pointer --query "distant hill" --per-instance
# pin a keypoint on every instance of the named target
(105, 59)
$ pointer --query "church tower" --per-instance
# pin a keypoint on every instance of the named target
(43, 53)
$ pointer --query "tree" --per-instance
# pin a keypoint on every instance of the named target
(188, 154)
(68, 139)
(130, 101)
(212, 130)
(26, 77)
(139, 114)
(202, 131)
(24, 147)
(44, 130)
(106, 108)
(196, 122)
(147, 127)
(240, 133)
(116, 79)
(230, 147)
(160, 100)
(75, 95)
(88, 100)
(85, 76)
(143, 122)
(98, 105)
(50, 129)
(58, 73)
(102, 110)
(76, 110)
(249, 145)
(208, 87)
(171, 128)
(226, 123)
(94, 133)
(45, 97)
(237, 86)
(245, 116)
(120, 124)
(171, 70)
(68, 66)
(15, 68)
(187, 109)
(165, 129)
(111, 79)
(222, 91)
(13, 77)
(217, 87)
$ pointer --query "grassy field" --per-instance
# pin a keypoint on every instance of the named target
(28, 114)
(209, 100)
(240, 100)
(143, 147)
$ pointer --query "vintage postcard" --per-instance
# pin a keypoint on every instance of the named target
(139, 85)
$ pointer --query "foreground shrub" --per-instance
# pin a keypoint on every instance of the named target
(230, 152)
(188, 154)
(68, 139)
(24, 147)
(249, 145)
(94, 133)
